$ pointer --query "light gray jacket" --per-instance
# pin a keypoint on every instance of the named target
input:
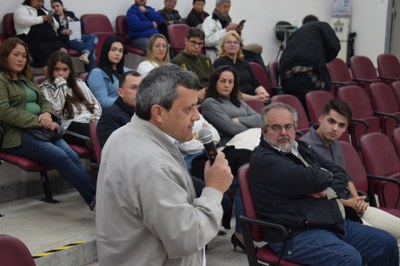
(146, 211)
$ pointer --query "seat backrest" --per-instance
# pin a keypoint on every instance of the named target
(95, 141)
(363, 68)
(261, 76)
(379, 155)
(383, 98)
(396, 140)
(316, 101)
(248, 205)
(338, 71)
(357, 100)
(355, 167)
(13, 252)
(8, 25)
(83, 76)
(256, 105)
(121, 28)
(303, 124)
(177, 34)
(396, 90)
(388, 66)
(273, 71)
(96, 23)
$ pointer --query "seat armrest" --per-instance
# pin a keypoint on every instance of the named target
(86, 139)
(368, 81)
(384, 180)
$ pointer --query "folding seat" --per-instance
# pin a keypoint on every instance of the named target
(28, 165)
(13, 252)
(261, 76)
(385, 106)
(252, 228)
(273, 71)
(100, 25)
(340, 74)
(396, 90)
(122, 32)
(363, 120)
(382, 163)
(362, 182)
(363, 71)
(388, 67)
(8, 26)
(177, 34)
(316, 101)
(256, 105)
(303, 124)
(396, 140)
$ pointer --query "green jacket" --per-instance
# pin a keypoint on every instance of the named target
(13, 116)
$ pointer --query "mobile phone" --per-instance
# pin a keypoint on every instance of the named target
(242, 22)
(51, 13)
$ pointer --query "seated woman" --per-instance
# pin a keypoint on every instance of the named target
(230, 53)
(72, 100)
(37, 29)
(230, 115)
(23, 108)
(157, 54)
(85, 45)
(103, 80)
(223, 107)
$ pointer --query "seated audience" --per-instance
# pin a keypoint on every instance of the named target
(157, 54)
(305, 194)
(37, 29)
(103, 80)
(122, 110)
(197, 15)
(142, 22)
(85, 45)
(217, 25)
(192, 59)
(71, 98)
(333, 122)
(223, 107)
(28, 118)
(231, 54)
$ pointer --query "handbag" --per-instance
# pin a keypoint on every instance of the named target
(46, 135)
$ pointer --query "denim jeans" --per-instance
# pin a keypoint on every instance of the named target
(86, 44)
(239, 209)
(60, 156)
(361, 245)
(140, 43)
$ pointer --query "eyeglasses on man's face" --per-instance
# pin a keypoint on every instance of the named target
(279, 128)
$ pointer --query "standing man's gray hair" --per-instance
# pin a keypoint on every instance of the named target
(160, 87)
(220, 2)
(264, 118)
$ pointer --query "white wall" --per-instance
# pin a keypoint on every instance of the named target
(368, 19)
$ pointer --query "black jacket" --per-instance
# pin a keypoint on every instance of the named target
(112, 118)
(280, 184)
(314, 44)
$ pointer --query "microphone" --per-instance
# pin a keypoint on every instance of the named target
(205, 136)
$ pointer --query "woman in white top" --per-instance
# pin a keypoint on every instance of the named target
(157, 54)
(71, 98)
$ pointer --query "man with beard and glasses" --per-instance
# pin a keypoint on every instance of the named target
(294, 186)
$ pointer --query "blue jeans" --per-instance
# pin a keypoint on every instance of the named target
(60, 156)
(239, 210)
(86, 45)
(140, 43)
(361, 245)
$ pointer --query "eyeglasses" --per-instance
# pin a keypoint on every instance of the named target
(232, 42)
(161, 46)
(194, 43)
(278, 128)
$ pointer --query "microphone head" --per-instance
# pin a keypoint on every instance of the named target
(205, 135)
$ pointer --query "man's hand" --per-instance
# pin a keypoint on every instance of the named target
(231, 26)
(155, 25)
(142, 9)
(357, 203)
(218, 175)
(239, 28)
(262, 94)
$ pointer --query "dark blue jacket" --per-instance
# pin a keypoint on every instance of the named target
(141, 24)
